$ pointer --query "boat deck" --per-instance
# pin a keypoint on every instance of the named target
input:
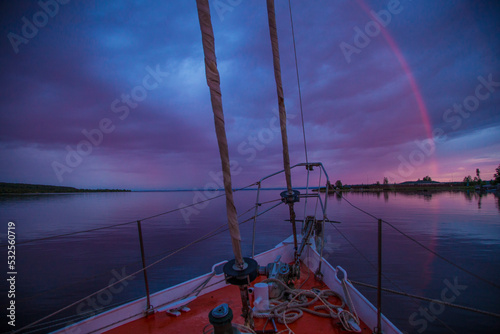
(196, 319)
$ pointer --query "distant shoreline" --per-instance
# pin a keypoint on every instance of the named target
(406, 188)
(395, 190)
(31, 189)
(35, 189)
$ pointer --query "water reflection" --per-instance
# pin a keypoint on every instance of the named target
(34, 197)
(427, 196)
(338, 196)
(497, 195)
(471, 196)
(448, 223)
(468, 195)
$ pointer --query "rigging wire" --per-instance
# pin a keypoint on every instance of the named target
(318, 199)
(437, 301)
(443, 258)
(206, 236)
(122, 224)
(423, 246)
(74, 318)
(79, 282)
(401, 292)
(300, 104)
(298, 81)
(209, 235)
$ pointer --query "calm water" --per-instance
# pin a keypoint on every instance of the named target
(53, 273)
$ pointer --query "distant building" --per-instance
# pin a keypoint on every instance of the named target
(418, 183)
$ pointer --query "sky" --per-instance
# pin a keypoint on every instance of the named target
(112, 94)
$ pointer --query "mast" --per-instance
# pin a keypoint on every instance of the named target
(289, 198)
(240, 271)
(213, 81)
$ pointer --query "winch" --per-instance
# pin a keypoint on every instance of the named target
(220, 318)
(280, 271)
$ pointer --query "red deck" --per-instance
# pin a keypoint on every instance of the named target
(195, 320)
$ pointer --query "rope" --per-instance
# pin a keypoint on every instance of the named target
(213, 82)
(255, 219)
(307, 193)
(373, 266)
(204, 237)
(387, 278)
(318, 198)
(73, 318)
(308, 272)
(355, 248)
(244, 328)
(127, 223)
(273, 33)
(443, 258)
(71, 233)
(107, 272)
(274, 200)
(437, 301)
(79, 282)
(300, 104)
(425, 247)
(208, 329)
(298, 82)
(287, 310)
(121, 280)
(350, 304)
(252, 208)
(190, 205)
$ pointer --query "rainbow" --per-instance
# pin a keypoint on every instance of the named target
(424, 113)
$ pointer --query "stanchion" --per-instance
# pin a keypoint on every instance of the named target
(148, 308)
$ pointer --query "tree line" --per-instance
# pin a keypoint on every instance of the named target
(467, 181)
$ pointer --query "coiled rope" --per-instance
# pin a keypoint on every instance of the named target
(291, 304)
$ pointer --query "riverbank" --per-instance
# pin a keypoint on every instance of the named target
(24, 188)
(404, 188)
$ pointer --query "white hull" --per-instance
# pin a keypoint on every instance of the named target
(135, 310)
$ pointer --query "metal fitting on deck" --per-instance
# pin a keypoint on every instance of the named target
(220, 317)
(290, 197)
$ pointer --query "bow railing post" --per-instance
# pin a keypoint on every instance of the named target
(378, 330)
(149, 308)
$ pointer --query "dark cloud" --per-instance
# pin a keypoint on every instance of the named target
(361, 117)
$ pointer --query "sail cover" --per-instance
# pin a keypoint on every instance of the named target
(213, 81)
(282, 113)
(279, 87)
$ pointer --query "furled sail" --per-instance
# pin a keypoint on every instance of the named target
(282, 112)
(213, 81)
(279, 87)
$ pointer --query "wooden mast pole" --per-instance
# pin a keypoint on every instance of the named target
(282, 114)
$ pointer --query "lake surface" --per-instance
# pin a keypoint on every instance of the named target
(53, 273)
